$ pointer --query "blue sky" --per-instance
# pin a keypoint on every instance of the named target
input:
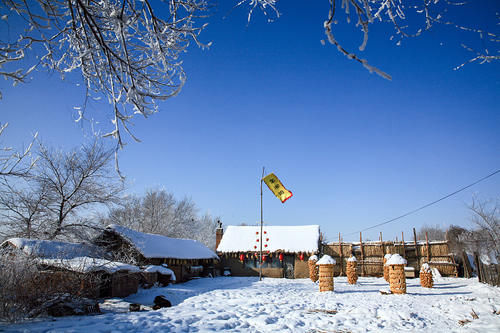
(354, 149)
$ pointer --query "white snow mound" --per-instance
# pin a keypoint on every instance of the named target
(426, 268)
(326, 260)
(396, 259)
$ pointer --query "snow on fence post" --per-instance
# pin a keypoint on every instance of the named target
(326, 264)
(362, 255)
(341, 256)
(427, 247)
(403, 241)
(313, 269)
(386, 268)
(397, 278)
(352, 275)
(426, 276)
(416, 246)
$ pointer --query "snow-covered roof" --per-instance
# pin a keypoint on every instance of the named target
(326, 260)
(160, 269)
(52, 249)
(158, 246)
(275, 238)
(86, 265)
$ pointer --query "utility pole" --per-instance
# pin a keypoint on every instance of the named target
(261, 224)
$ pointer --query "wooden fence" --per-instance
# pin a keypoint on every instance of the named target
(370, 255)
(489, 274)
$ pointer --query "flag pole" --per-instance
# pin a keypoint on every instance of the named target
(261, 223)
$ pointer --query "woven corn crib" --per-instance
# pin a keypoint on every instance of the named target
(326, 277)
(397, 279)
(386, 271)
(313, 270)
(426, 279)
(352, 275)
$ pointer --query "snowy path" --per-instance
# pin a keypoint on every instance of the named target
(279, 305)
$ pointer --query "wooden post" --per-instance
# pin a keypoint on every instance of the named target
(467, 266)
(416, 248)
(427, 247)
(362, 255)
(382, 244)
(403, 240)
(383, 251)
(477, 263)
(454, 265)
(341, 256)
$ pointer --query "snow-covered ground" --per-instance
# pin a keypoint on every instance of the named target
(280, 305)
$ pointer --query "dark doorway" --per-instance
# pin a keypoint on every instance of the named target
(288, 265)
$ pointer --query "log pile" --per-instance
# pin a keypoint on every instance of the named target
(397, 277)
(326, 265)
(326, 278)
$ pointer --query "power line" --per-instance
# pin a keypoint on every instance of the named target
(427, 205)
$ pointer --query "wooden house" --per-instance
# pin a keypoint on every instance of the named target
(187, 258)
(286, 250)
(75, 268)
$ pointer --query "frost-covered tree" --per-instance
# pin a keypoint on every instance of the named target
(159, 212)
(123, 49)
(22, 210)
(130, 50)
(15, 163)
(434, 233)
(486, 218)
(58, 197)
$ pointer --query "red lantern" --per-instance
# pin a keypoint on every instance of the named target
(265, 232)
(256, 232)
(265, 245)
(242, 257)
(255, 246)
(257, 240)
(267, 239)
(301, 256)
(281, 256)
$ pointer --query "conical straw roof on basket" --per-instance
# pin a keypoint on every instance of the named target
(397, 278)
(313, 269)
(352, 275)
(386, 268)
(326, 265)
(426, 276)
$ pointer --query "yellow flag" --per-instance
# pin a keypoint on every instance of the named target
(277, 187)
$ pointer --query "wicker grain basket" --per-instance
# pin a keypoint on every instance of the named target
(426, 279)
(313, 270)
(397, 279)
(326, 277)
(386, 271)
(352, 275)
